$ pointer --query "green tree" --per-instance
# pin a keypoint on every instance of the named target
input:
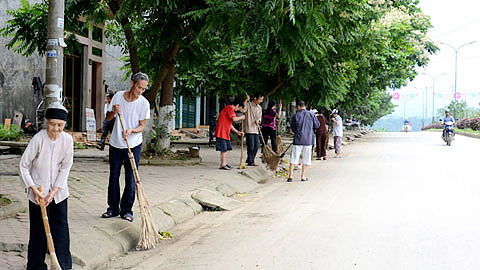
(463, 111)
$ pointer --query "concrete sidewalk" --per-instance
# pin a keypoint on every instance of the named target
(175, 193)
(95, 240)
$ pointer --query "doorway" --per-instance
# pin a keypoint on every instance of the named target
(72, 91)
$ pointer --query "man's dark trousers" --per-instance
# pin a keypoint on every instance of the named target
(117, 158)
(253, 143)
(107, 127)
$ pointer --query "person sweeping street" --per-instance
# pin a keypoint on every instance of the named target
(107, 125)
(302, 124)
(135, 110)
(269, 125)
(44, 169)
(321, 134)
(222, 132)
(337, 132)
(253, 117)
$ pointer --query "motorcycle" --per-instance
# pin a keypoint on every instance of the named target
(407, 127)
(448, 133)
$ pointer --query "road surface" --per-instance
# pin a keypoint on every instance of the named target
(394, 201)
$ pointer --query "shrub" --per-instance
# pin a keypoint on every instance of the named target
(473, 123)
(13, 134)
(437, 125)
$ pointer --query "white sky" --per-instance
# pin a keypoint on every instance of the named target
(455, 23)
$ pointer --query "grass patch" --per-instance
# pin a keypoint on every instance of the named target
(4, 201)
(469, 130)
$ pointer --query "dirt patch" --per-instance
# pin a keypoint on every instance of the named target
(4, 201)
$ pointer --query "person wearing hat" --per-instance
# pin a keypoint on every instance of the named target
(46, 163)
(337, 132)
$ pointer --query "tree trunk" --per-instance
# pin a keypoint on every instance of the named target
(166, 115)
(147, 133)
(278, 82)
(168, 61)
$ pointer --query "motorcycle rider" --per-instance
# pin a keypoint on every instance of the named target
(446, 119)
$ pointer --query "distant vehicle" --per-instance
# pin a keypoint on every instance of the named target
(448, 133)
(407, 126)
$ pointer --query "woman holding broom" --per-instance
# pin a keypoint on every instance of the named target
(269, 127)
(45, 166)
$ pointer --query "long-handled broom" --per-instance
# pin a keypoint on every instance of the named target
(54, 265)
(149, 236)
(242, 161)
(269, 157)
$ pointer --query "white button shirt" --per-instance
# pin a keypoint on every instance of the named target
(47, 163)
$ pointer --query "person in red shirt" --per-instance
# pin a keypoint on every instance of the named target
(222, 132)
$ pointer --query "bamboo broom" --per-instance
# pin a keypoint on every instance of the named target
(242, 161)
(54, 265)
(149, 235)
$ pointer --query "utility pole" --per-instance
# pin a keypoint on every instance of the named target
(433, 93)
(55, 45)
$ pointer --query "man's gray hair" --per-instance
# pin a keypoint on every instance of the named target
(139, 76)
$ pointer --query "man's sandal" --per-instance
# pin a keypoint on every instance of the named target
(109, 214)
(128, 217)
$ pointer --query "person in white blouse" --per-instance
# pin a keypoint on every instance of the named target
(46, 163)
(135, 110)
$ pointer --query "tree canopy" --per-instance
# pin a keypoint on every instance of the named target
(331, 53)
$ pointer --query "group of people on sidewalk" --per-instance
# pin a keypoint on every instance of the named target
(48, 158)
(304, 124)
(252, 119)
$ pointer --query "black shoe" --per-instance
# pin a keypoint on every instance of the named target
(305, 180)
(100, 147)
(289, 180)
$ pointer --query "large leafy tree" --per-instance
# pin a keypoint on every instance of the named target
(331, 53)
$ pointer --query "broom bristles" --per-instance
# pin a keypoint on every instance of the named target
(54, 264)
(271, 158)
(149, 236)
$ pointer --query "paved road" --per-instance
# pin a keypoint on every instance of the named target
(395, 201)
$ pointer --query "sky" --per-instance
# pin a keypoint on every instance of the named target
(454, 23)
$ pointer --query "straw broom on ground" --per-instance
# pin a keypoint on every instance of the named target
(149, 235)
(269, 157)
(54, 265)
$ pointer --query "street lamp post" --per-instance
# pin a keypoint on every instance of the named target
(456, 58)
(433, 92)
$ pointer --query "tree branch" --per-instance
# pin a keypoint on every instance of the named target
(115, 6)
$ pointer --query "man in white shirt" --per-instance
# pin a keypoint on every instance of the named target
(337, 132)
(135, 110)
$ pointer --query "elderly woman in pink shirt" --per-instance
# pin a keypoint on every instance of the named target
(46, 163)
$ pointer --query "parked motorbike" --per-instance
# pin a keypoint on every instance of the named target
(448, 133)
